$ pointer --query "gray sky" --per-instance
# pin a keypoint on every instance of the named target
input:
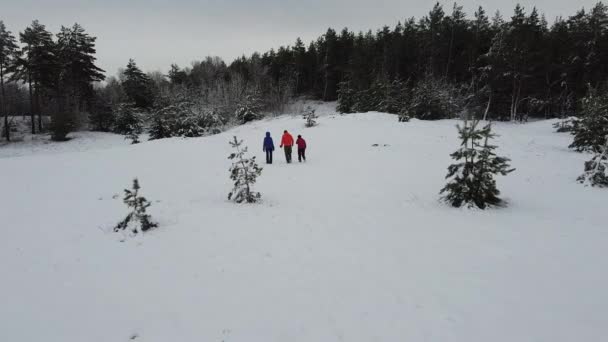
(157, 33)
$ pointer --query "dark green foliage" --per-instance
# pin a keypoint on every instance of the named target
(61, 125)
(591, 131)
(137, 220)
(471, 179)
(244, 172)
(102, 116)
(596, 170)
(138, 86)
(8, 49)
(346, 98)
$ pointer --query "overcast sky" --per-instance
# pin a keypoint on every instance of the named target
(157, 33)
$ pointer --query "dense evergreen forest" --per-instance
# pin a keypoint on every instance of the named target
(442, 65)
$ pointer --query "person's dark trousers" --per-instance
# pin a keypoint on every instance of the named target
(268, 157)
(288, 154)
(301, 154)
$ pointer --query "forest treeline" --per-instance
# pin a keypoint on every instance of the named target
(442, 65)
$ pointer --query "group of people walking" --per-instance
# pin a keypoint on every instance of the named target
(286, 144)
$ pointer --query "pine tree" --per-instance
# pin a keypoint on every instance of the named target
(127, 121)
(138, 86)
(8, 48)
(591, 130)
(471, 180)
(596, 170)
(75, 53)
(137, 220)
(346, 98)
(37, 66)
(310, 117)
(249, 109)
(244, 172)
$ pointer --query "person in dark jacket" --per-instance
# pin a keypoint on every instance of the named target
(268, 148)
(301, 148)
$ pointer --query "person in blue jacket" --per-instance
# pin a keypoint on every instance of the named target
(268, 148)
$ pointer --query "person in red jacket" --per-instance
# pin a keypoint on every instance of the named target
(287, 144)
(301, 148)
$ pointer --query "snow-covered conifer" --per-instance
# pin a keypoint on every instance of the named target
(127, 121)
(244, 172)
(249, 109)
(137, 220)
(404, 115)
(596, 170)
(591, 131)
(310, 117)
(471, 179)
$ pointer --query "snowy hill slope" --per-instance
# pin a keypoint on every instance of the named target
(351, 246)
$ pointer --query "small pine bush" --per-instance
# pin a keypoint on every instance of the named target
(244, 172)
(137, 220)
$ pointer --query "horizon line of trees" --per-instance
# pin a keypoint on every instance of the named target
(435, 67)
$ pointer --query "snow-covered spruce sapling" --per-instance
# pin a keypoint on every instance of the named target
(137, 220)
(310, 117)
(244, 172)
(471, 179)
(404, 115)
(133, 136)
(596, 170)
(591, 130)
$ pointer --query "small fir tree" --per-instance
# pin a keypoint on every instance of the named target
(127, 121)
(404, 115)
(137, 220)
(244, 172)
(472, 178)
(134, 137)
(566, 126)
(310, 117)
(591, 131)
(596, 170)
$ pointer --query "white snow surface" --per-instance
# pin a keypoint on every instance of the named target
(353, 245)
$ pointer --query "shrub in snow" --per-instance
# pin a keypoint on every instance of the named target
(137, 220)
(244, 172)
(134, 137)
(180, 117)
(249, 109)
(591, 131)
(127, 122)
(434, 99)
(404, 115)
(471, 179)
(310, 117)
(596, 170)
(566, 125)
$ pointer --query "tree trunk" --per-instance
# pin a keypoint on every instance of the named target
(7, 130)
(29, 81)
(39, 112)
(485, 114)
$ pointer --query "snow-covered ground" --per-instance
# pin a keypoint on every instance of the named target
(351, 246)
